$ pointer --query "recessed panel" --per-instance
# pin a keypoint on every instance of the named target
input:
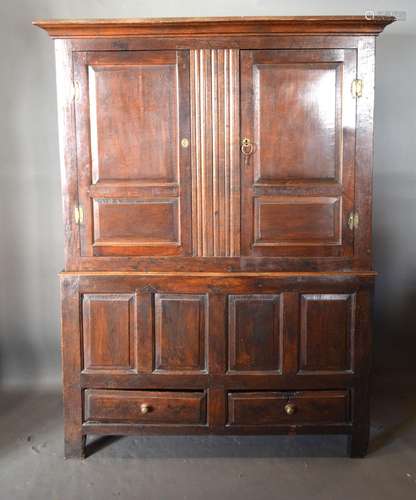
(108, 325)
(326, 332)
(135, 221)
(296, 220)
(134, 121)
(254, 333)
(180, 332)
(296, 107)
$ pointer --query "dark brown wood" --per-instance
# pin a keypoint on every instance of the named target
(115, 429)
(180, 332)
(218, 264)
(249, 42)
(269, 408)
(327, 327)
(205, 287)
(71, 363)
(127, 150)
(360, 408)
(203, 309)
(67, 148)
(254, 333)
(215, 152)
(93, 28)
(145, 330)
(364, 154)
(108, 328)
(145, 407)
(300, 141)
(290, 339)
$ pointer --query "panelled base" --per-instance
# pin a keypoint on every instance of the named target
(201, 353)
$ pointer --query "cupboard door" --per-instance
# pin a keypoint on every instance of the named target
(132, 120)
(298, 113)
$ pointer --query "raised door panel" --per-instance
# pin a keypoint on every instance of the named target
(327, 324)
(288, 220)
(180, 332)
(296, 120)
(134, 119)
(254, 333)
(134, 182)
(113, 221)
(108, 327)
(298, 172)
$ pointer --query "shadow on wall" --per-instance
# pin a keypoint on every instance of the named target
(395, 205)
(395, 303)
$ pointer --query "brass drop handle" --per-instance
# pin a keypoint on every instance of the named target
(246, 147)
(290, 408)
(145, 408)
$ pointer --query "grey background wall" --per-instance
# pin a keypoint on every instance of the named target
(31, 235)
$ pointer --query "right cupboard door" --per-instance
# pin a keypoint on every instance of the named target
(298, 147)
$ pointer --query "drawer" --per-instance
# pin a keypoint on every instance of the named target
(147, 407)
(274, 408)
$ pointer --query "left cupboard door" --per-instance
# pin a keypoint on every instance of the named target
(133, 152)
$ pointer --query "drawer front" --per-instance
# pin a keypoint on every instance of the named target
(274, 408)
(147, 407)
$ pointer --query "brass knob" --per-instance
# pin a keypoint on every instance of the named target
(246, 147)
(144, 408)
(290, 408)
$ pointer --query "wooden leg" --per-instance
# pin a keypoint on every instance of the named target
(360, 403)
(75, 446)
(358, 443)
(71, 364)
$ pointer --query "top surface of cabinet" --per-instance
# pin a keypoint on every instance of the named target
(74, 28)
(193, 145)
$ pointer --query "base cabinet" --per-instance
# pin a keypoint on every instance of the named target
(216, 354)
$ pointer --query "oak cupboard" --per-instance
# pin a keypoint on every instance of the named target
(217, 181)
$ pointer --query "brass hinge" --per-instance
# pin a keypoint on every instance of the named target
(353, 221)
(78, 215)
(75, 90)
(357, 88)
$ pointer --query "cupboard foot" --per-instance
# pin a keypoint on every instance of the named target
(75, 447)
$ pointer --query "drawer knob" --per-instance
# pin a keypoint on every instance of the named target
(145, 408)
(290, 408)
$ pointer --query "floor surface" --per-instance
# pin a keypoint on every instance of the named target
(201, 468)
